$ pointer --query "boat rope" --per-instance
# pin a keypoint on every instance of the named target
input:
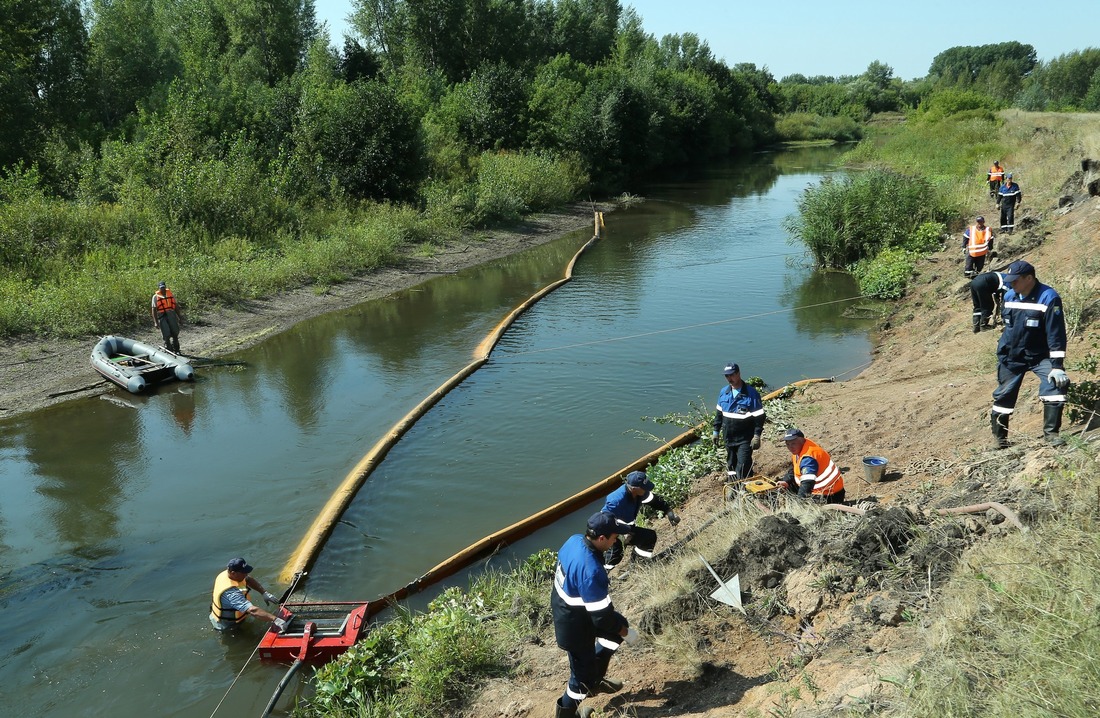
(235, 679)
(687, 327)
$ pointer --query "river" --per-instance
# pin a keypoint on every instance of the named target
(116, 512)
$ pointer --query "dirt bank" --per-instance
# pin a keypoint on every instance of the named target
(36, 372)
(839, 604)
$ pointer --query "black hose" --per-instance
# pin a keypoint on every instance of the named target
(281, 687)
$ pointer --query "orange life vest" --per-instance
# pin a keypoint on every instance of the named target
(996, 173)
(979, 241)
(828, 480)
(165, 302)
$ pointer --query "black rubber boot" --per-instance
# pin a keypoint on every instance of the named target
(579, 712)
(999, 423)
(1052, 424)
(977, 319)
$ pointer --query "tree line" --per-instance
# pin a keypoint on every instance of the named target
(227, 140)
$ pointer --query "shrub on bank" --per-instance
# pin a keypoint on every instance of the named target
(886, 275)
(807, 126)
(843, 221)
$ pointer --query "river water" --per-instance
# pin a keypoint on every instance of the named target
(116, 512)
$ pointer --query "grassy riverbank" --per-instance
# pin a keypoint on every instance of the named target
(73, 269)
(900, 612)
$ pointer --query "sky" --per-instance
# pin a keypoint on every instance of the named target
(842, 37)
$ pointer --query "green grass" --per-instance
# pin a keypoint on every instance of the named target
(73, 269)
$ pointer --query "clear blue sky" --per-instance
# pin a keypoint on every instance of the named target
(842, 37)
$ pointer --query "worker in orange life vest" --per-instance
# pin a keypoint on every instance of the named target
(166, 317)
(812, 470)
(995, 175)
(977, 245)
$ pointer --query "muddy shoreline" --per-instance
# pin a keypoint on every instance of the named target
(37, 372)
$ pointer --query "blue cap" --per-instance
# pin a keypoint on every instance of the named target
(731, 368)
(639, 480)
(602, 524)
(239, 565)
(162, 285)
(1016, 269)
(793, 433)
(1009, 175)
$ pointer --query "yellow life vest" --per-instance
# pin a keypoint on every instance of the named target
(222, 584)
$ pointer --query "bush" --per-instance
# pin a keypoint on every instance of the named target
(805, 127)
(886, 276)
(846, 220)
(510, 184)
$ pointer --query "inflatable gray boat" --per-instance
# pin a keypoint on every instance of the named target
(135, 366)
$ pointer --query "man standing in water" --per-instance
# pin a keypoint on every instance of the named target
(229, 604)
(740, 413)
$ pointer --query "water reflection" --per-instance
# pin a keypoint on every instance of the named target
(80, 459)
(818, 302)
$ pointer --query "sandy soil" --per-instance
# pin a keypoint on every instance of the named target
(36, 372)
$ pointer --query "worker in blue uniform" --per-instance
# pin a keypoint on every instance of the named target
(1034, 339)
(586, 625)
(1009, 198)
(624, 504)
(740, 414)
(987, 295)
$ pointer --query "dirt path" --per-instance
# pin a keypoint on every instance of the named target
(37, 372)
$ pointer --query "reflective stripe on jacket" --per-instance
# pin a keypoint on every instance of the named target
(580, 600)
(978, 240)
(162, 304)
(1035, 328)
(996, 174)
(827, 480)
(741, 414)
(222, 584)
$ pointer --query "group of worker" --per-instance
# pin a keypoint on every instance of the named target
(978, 238)
(586, 625)
(1034, 326)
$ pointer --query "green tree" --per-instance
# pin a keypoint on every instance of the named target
(130, 58)
(43, 59)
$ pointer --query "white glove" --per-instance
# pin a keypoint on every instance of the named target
(631, 636)
(1058, 378)
(271, 598)
(280, 625)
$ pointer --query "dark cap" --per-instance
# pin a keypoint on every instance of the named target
(792, 434)
(980, 219)
(639, 480)
(1017, 269)
(731, 368)
(162, 285)
(602, 524)
(239, 565)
